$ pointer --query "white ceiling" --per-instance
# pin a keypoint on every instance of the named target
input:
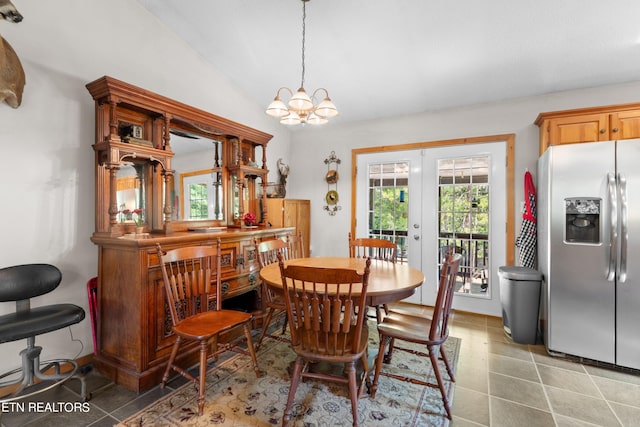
(381, 58)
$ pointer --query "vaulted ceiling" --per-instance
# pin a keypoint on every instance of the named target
(380, 58)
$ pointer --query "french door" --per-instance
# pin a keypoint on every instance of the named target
(431, 198)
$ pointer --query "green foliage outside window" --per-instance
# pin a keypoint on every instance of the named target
(464, 209)
(198, 201)
(389, 213)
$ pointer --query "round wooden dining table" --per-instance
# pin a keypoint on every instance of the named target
(388, 282)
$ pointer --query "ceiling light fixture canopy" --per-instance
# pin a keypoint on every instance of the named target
(301, 108)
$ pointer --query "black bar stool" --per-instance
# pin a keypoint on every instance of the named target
(21, 283)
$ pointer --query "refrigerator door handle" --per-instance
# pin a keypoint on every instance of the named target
(624, 231)
(613, 236)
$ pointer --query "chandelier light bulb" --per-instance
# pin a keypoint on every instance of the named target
(326, 109)
(315, 119)
(301, 101)
(277, 108)
(291, 119)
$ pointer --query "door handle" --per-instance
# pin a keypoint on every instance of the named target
(624, 231)
(613, 237)
(416, 237)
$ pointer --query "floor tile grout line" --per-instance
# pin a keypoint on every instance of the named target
(613, 379)
(549, 411)
(554, 414)
(515, 378)
(486, 332)
(468, 421)
(577, 392)
(474, 391)
(606, 401)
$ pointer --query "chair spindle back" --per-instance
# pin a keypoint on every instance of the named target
(367, 247)
(325, 315)
(192, 279)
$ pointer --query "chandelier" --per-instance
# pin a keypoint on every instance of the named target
(301, 107)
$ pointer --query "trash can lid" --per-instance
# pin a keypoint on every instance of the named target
(515, 272)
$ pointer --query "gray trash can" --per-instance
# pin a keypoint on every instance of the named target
(520, 297)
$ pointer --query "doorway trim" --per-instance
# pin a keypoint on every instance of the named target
(508, 138)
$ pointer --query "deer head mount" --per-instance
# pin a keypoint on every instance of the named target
(12, 78)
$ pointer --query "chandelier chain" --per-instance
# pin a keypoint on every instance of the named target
(304, 17)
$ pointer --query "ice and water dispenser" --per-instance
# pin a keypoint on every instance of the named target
(582, 220)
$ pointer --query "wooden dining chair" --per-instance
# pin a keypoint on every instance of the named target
(267, 252)
(380, 249)
(431, 331)
(192, 283)
(296, 242)
(326, 312)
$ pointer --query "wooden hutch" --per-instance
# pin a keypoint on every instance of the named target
(138, 131)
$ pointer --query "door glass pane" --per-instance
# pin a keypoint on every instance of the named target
(463, 201)
(389, 203)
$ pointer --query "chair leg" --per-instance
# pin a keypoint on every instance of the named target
(436, 370)
(443, 355)
(204, 345)
(295, 380)
(387, 357)
(367, 375)
(350, 371)
(284, 324)
(378, 315)
(172, 358)
(252, 351)
(265, 326)
(383, 342)
(379, 309)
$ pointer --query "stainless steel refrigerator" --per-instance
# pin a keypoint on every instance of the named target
(589, 250)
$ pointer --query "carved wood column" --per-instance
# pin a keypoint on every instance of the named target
(113, 169)
(264, 179)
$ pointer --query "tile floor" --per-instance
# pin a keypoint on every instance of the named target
(499, 383)
(503, 384)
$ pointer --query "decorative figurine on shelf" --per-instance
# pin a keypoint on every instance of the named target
(283, 172)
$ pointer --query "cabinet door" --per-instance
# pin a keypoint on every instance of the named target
(304, 223)
(571, 130)
(625, 125)
(290, 213)
(275, 212)
(297, 214)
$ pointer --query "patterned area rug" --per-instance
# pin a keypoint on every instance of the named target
(235, 397)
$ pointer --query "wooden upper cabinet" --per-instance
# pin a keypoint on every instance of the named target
(589, 125)
(625, 124)
(570, 130)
